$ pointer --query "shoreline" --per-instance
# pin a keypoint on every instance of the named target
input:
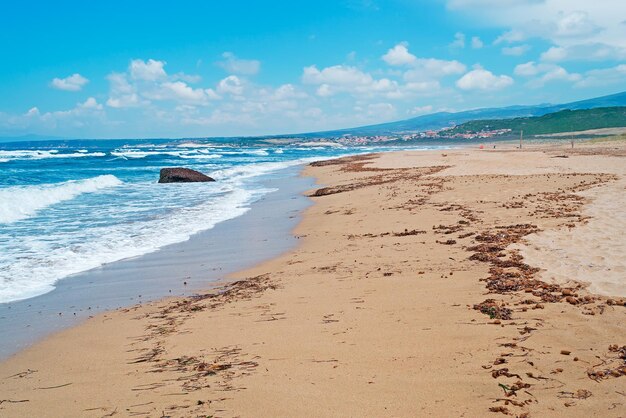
(30, 320)
(406, 328)
(175, 270)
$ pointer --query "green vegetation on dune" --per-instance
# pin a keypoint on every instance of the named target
(563, 121)
(614, 138)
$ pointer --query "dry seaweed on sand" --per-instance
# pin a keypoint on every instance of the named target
(406, 233)
(381, 176)
(494, 309)
(615, 366)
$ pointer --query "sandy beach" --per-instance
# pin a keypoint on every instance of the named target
(450, 283)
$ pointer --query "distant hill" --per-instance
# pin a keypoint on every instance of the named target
(444, 119)
(561, 121)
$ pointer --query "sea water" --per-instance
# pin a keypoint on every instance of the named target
(70, 206)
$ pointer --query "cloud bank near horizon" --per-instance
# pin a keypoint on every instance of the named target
(554, 46)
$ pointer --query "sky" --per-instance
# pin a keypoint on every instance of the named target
(141, 69)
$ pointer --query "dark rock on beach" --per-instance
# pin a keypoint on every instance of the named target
(182, 175)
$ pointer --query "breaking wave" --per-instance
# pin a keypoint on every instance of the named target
(21, 202)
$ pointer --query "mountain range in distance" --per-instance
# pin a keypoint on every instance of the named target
(439, 120)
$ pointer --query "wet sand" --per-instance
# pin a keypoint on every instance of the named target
(407, 296)
(180, 269)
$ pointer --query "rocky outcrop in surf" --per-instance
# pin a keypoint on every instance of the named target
(182, 175)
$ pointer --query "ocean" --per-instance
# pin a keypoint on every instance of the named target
(67, 207)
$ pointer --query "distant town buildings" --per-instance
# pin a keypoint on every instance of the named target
(444, 133)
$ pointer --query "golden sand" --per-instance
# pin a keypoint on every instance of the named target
(407, 296)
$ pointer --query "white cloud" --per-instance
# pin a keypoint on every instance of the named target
(287, 91)
(338, 75)
(90, 103)
(180, 92)
(120, 84)
(481, 79)
(568, 24)
(150, 70)
(431, 68)
(399, 55)
(325, 90)
(75, 82)
(586, 52)
(121, 102)
(170, 101)
(576, 23)
(510, 37)
(382, 87)
(527, 69)
(421, 69)
(555, 74)
(244, 103)
(516, 50)
(544, 73)
(459, 40)
(154, 102)
(346, 79)
(230, 85)
(554, 53)
(603, 77)
(81, 115)
(422, 86)
(122, 93)
(234, 65)
(188, 78)
(147, 82)
(477, 43)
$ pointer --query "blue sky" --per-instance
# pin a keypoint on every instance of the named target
(122, 69)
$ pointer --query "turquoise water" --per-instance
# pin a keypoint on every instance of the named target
(69, 206)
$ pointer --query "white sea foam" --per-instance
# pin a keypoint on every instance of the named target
(29, 276)
(253, 170)
(42, 154)
(196, 145)
(20, 154)
(135, 154)
(63, 253)
(200, 156)
(261, 152)
(80, 155)
(21, 202)
(180, 153)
